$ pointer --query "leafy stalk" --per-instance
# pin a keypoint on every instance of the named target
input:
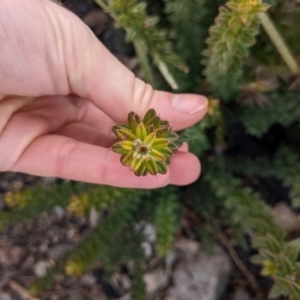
(132, 16)
(142, 55)
(278, 256)
(279, 43)
(230, 38)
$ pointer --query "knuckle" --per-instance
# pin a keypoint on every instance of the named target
(142, 96)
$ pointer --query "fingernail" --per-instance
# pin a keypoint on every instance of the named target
(189, 103)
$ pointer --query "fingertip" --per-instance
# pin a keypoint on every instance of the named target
(184, 147)
(181, 110)
(185, 169)
(189, 103)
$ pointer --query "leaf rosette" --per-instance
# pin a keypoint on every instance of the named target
(146, 145)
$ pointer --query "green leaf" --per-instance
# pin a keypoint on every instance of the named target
(133, 121)
(297, 271)
(291, 249)
(162, 168)
(126, 145)
(157, 155)
(294, 289)
(141, 131)
(142, 171)
(256, 259)
(266, 254)
(272, 243)
(258, 242)
(163, 131)
(285, 266)
(155, 122)
(160, 143)
(275, 291)
(151, 113)
(167, 153)
(136, 163)
(126, 159)
(119, 149)
(151, 166)
(281, 283)
(150, 138)
(124, 134)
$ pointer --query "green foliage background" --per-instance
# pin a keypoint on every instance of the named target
(218, 49)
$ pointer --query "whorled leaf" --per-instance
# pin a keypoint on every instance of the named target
(146, 144)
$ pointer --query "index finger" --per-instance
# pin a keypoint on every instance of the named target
(94, 73)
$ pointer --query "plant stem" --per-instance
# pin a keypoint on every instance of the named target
(142, 55)
(162, 67)
(278, 42)
(223, 239)
(102, 4)
(140, 50)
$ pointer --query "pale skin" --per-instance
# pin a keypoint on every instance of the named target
(61, 91)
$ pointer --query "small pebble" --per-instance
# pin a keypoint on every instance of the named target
(5, 296)
(94, 217)
(147, 249)
(156, 280)
(40, 268)
(59, 251)
(11, 256)
(188, 248)
(88, 279)
(59, 212)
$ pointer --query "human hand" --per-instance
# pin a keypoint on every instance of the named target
(61, 91)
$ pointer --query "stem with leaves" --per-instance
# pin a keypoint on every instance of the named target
(279, 43)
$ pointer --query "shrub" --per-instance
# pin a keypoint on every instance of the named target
(251, 78)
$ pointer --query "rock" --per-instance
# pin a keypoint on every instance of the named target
(28, 263)
(88, 279)
(147, 249)
(59, 212)
(203, 275)
(44, 247)
(126, 297)
(5, 296)
(156, 280)
(120, 282)
(186, 247)
(11, 256)
(150, 232)
(17, 185)
(240, 294)
(171, 259)
(126, 283)
(73, 235)
(76, 296)
(59, 251)
(94, 217)
(286, 217)
(40, 268)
